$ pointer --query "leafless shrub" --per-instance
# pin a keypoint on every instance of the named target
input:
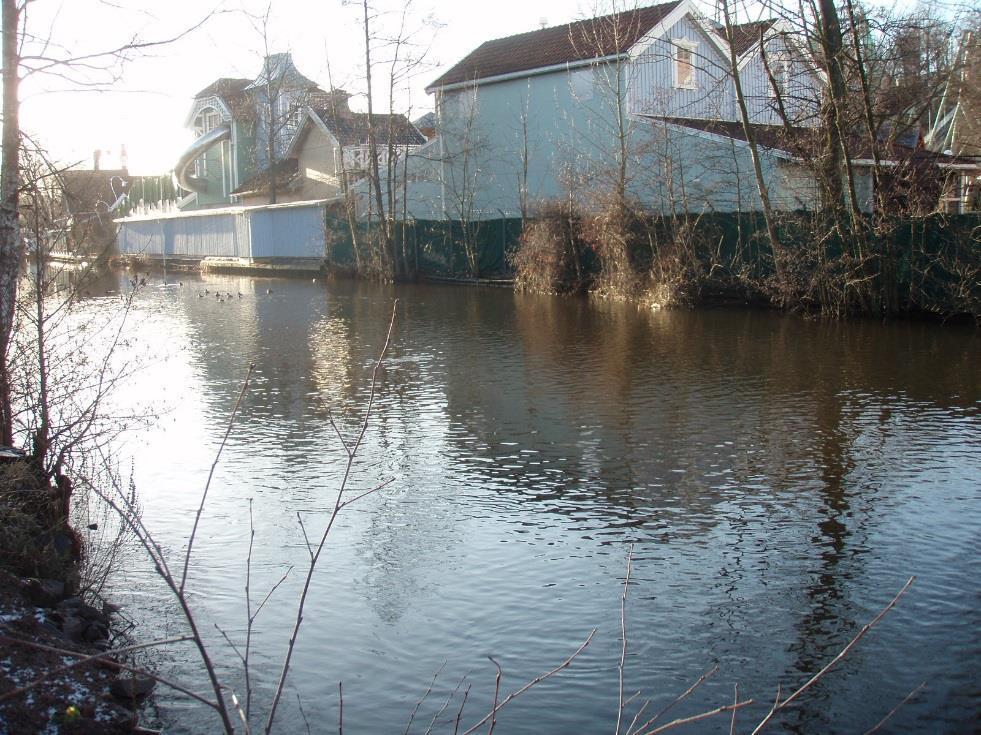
(681, 263)
(550, 256)
(614, 233)
(34, 542)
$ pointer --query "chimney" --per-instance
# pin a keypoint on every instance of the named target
(123, 158)
(96, 157)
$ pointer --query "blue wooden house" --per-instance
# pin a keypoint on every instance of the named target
(553, 112)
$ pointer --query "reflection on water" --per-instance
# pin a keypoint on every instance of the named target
(780, 479)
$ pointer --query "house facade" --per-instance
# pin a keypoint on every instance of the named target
(644, 99)
(241, 127)
(329, 151)
(280, 138)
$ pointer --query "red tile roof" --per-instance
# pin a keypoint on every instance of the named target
(745, 35)
(351, 128)
(224, 87)
(579, 41)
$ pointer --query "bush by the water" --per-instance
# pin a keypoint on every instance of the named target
(550, 256)
(930, 265)
(36, 540)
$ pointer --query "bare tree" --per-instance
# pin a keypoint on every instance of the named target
(27, 53)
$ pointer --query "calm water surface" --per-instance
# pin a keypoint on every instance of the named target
(779, 481)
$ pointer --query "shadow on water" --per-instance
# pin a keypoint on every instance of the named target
(761, 463)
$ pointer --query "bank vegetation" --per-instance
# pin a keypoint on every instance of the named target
(882, 240)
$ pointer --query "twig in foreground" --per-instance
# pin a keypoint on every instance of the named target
(537, 680)
(680, 698)
(623, 640)
(424, 697)
(339, 504)
(779, 705)
(701, 716)
(211, 472)
(894, 710)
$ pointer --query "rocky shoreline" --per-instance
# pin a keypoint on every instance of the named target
(43, 687)
(65, 666)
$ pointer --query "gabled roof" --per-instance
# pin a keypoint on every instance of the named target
(225, 87)
(746, 35)
(232, 93)
(351, 128)
(582, 40)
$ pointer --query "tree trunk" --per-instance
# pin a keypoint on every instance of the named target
(761, 186)
(11, 247)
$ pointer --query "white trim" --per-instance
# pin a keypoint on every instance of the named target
(211, 101)
(677, 45)
(780, 28)
(686, 7)
(537, 71)
(783, 30)
(962, 166)
(309, 114)
(233, 153)
(210, 211)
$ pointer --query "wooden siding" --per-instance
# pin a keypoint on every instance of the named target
(651, 89)
(801, 91)
(260, 232)
(288, 232)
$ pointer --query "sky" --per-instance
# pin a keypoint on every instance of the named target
(143, 103)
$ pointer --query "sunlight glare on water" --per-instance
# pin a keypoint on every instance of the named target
(779, 479)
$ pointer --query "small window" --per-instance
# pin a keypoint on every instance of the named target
(684, 63)
(211, 120)
(780, 69)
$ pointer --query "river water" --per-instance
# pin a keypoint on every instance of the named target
(777, 479)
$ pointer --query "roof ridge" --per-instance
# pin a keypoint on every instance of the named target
(552, 46)
(582, 20)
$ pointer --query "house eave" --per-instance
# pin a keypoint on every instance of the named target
(538, 71)
(719, 138)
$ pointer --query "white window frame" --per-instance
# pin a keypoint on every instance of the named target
(692, 48)
(780, 68)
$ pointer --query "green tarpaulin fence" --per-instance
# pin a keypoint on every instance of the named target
(438, 247)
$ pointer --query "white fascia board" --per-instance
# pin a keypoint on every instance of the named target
(685, 7)
(784, 30)
(779, 29)
(314, 118)
(565, 66)
(714, 38)
(891, 162)
(201, 102)
(671, 20)
(961, 166)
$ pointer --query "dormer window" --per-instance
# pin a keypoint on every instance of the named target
(684, 63)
